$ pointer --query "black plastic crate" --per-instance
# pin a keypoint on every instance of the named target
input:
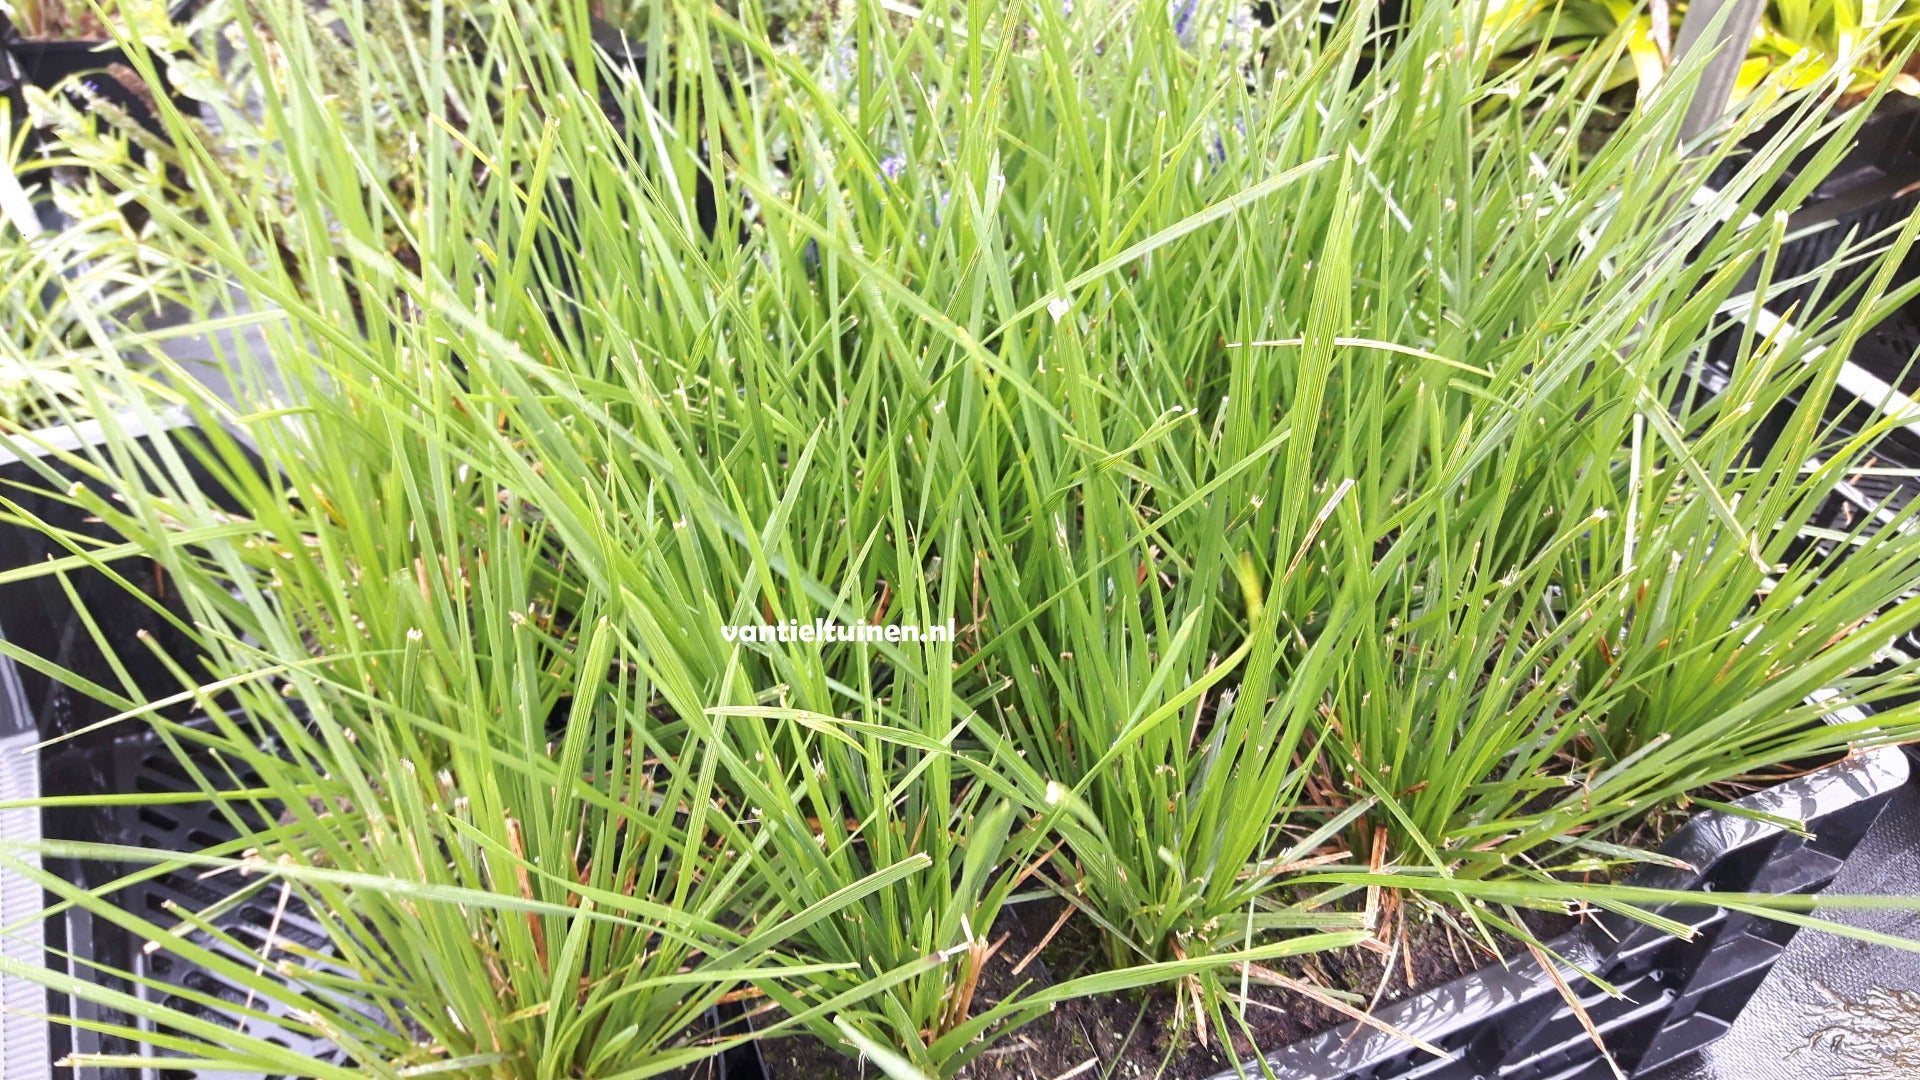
(263, 921)
(41, 617)
(1868, 187)
(1872, 191)
(1510, 1022)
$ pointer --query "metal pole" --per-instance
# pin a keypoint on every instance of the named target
(1731, 36)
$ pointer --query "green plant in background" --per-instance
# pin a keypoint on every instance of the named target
(54, 20)
(1639, 40)
(38, 351)
(1866, 38)
(62, 293)
(1300, 447)
(1799, 42)
(82, 20)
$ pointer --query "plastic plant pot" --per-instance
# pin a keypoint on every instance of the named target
(49, 63)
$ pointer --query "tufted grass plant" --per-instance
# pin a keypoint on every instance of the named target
(1302, 448)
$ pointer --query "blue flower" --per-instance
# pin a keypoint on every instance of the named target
(892, 167)
(1181, 12)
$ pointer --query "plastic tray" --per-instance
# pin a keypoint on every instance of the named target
(1511, 1022)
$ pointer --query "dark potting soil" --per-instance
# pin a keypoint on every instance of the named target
(1151, 1034)
(713, 1068)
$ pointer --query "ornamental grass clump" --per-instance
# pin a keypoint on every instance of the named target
(1304, 449)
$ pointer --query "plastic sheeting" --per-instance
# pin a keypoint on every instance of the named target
(1835, 1008)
